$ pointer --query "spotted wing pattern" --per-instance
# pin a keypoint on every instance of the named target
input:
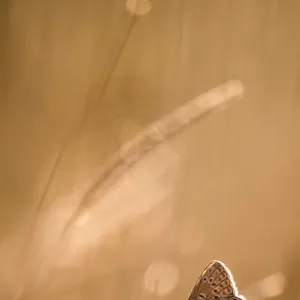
(215, 283)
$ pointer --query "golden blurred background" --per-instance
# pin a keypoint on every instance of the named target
(78, 79)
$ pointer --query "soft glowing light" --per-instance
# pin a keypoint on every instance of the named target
(83, 220)
(161, 278)
(144, 187)
(138, 7)
(272, 285)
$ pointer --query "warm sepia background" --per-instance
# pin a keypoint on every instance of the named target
(79, 78)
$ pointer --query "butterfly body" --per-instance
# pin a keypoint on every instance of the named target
(215, 283)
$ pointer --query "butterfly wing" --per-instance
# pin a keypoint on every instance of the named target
(215, 282)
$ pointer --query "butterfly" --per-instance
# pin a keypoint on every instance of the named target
(215, 283)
